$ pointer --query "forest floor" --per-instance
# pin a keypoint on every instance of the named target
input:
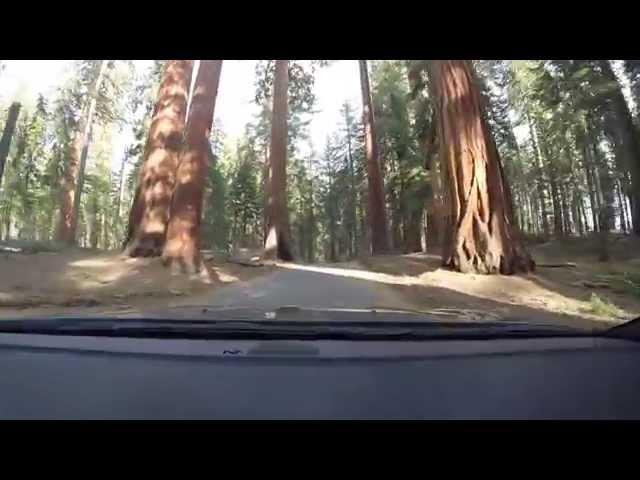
(582, 292)
(72, 280)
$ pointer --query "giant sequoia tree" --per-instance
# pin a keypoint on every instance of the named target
(278, 241)
(183, 232)
(377, 214)
(480, 237)
(149, 214)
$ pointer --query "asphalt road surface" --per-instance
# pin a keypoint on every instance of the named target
(309, 287)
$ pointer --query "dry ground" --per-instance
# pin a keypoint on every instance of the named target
(66, 281)
(70, 280)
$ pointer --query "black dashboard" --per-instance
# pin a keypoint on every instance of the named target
(76, 377)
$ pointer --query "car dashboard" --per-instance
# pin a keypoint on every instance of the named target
(79, 377)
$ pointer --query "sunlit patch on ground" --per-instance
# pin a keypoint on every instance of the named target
(81, 279)
(533, 290)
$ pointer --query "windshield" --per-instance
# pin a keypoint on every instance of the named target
(462, 191)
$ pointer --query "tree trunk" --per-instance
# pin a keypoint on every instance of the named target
(412, 228)
(540, 184)
(588, 170)
(353, 235)
(621, 211)
(518, 211)
(606, 217)
(73, 179)
(624, 214)
(149, 213)
(310, 237)
(115, 223)
(584, 216)
(567, 227)
(551, 171)
(7, 135)
(630, 140)
(432, 215)
(480, 227)
(535, 214)
(576, 214)
(95, 223)
(182, 247)
(396, 222)
(278, 241)
(377, 215)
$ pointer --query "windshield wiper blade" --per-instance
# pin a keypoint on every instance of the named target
(264, 329)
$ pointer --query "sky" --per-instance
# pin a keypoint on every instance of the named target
(25, 79)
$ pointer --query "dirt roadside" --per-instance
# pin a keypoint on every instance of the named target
(73, 280)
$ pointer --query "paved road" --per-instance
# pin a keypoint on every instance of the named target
(310, 287)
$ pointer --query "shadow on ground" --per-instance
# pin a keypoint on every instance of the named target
(77, 280)
(406, 292)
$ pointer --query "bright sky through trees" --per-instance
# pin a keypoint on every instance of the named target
(334, 84)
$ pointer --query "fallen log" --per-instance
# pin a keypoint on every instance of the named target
(10, 249)
(557, 265)
(246, 263)
(590, 284)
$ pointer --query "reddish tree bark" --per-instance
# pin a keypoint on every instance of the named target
(74, 173)
(480, 234)
(7, 134)
(377, 215)
(278, 241)
(149, 214)
(182, 245)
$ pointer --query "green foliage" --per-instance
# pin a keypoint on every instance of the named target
(215, 219)
(603, 307)
(29, 202)
(556, 125)
(400, 153)
(25, 198)
(301, 100)
(566, 106)
(338, 190)
(244, 201)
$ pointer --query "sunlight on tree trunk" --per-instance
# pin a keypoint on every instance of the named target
(278, 241)
(74, 174)
(377, 215)
(182, 248)
(150, 211)
(481, 237)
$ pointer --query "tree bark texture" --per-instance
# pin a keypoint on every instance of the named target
(481, 237)
(278, 241)
(182, 247)
(149, 214)
(71, 188)
(540, 183)
(630, 139)
(7, 135)
(377, 214)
